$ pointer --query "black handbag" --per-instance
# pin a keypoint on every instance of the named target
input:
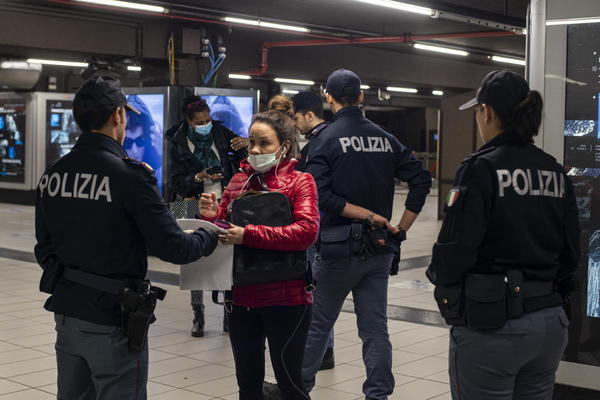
(252, 265)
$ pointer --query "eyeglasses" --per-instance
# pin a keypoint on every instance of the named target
(139, 142)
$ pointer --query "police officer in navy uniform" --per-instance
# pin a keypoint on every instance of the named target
(508, 244)
(355, 164)
(97, 215)
(309, 118)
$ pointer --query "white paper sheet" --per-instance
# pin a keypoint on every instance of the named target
(214, 272)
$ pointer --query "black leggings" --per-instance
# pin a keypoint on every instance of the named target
(286, 329)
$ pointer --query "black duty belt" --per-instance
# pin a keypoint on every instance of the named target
(537, 289)
(102, 283)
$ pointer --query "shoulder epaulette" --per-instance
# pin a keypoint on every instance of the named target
(474, 156)
(138, 163)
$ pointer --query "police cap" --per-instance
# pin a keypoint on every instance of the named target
(307, 100)
(502, 90)
(343, 83)
(102, 91)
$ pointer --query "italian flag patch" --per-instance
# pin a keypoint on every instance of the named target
(453, 196)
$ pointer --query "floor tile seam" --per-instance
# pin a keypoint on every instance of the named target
(199, 383)
(424, 378)
(12, 344)
(16, 391)
(187, 369)
(42, 355)
(165, 384)
(181, 355)
(412, 344)
(35, 323)
(11, 379)
(21, 336)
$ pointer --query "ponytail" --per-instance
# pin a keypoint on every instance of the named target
(526, 118)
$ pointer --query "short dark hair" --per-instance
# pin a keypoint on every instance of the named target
(91, 117)
(347, 101)
(318, 111)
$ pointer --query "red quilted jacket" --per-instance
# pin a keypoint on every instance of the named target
(301, 190)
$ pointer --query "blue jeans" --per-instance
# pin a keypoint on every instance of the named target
(368, 282)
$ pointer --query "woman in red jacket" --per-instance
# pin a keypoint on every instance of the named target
(277, 311)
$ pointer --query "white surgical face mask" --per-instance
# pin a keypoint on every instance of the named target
(263, 162)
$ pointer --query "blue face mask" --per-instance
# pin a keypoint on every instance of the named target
(203, 129)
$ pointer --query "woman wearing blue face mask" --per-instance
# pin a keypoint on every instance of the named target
(204, 156)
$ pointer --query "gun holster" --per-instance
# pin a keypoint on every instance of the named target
(138, 311)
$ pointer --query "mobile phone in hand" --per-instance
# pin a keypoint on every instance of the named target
(222, 224)
(214, 170)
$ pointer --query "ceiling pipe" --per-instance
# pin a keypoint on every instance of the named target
(265, 47)
(201, 20)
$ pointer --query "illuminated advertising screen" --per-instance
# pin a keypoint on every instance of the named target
(12, 140)
(61, 129)
(582, 161)
(144, 133)
(235, 111)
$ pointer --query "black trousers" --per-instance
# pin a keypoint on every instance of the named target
(285, 329)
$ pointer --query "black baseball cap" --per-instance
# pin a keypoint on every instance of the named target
(502, 90)
(102, 91)
(307, 100)
(343, 83)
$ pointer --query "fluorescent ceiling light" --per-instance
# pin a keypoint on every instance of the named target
(439, 49)
(573, 21)
(401, 89)
(365, 87)
(57, 62)
(242, 21)
(294, 81)
(265, 24)
(239, 76)
(284, 27)
(135, 68)
(290, 91)
(126, 4)
(437, 92)
(400, 6)
(20, 65)
(508, 60)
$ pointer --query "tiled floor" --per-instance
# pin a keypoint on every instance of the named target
(183, 367)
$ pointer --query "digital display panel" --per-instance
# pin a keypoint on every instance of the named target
(12, 140)
(144, 132)
(582, 162)
(235, 111)
(61, 129)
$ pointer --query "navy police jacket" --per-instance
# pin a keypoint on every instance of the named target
(512, 207)
(354, 160)
(100, 212)
(301, 166)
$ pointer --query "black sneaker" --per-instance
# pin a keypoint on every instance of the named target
(271, 391)
(328, 360)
